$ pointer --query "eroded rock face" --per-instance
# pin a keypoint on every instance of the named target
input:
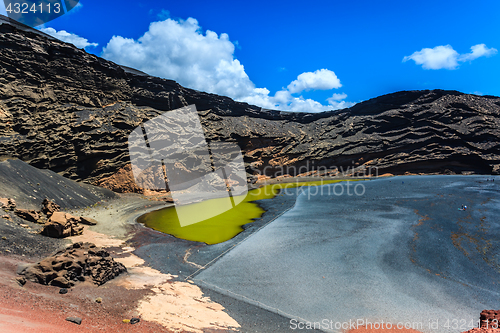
(64, 109)
(78, 262)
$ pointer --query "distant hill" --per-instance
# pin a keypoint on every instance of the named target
(69, 111)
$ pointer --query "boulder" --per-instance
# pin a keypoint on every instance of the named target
(78, 262)
(62, 225)
(28, 215)
(49, 207)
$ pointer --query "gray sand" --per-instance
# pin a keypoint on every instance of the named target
(402, 252)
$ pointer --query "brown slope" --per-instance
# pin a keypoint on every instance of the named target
(64, 109)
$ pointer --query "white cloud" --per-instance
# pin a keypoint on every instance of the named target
(444, 56)
(179, 50)
(337, 97)
(479, 50)
(285, 101)
(68, 37)
(322, 79)
(436, 58)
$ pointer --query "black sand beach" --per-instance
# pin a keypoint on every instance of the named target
(402, 252)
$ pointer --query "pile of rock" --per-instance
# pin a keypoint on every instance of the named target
(57, 224)
(77, 263)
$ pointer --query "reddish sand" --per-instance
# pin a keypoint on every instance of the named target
(41, 309)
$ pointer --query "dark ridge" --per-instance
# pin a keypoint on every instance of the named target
(69, 111)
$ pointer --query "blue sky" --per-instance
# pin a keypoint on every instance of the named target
(302, 56)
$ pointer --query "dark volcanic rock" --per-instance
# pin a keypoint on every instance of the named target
(78, 262)
(75, 320)
(31, 186)
(69, 111)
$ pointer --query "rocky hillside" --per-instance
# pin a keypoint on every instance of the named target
(69, 111)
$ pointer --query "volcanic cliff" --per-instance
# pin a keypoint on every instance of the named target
(69, 111)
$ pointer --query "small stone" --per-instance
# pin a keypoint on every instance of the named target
(4, 238)
(98, 300)
(25, 226)
(21, 280)
(75, 320)
(134, 321)
(126, 321)
(87, 221)
(63, 291)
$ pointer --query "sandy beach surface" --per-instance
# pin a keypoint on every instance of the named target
(268, 274)
(403, 252)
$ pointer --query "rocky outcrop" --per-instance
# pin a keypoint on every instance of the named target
(62, 225)
(69, 111)
(78, 262)
(49, 207)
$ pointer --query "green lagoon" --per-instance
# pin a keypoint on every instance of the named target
(222, 227)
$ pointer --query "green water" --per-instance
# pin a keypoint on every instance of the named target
(222, 227)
